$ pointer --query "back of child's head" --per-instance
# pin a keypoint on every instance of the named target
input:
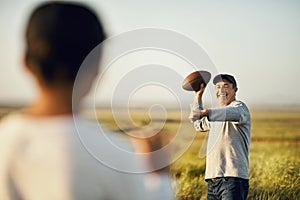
(59, 36)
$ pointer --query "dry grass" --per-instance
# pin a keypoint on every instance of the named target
(274, 155)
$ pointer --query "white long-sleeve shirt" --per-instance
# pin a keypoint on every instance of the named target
(228, 140)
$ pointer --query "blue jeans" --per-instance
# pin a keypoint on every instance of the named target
(227, 188)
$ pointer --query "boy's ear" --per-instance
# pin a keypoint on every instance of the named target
(30, 68)
(236, 89)
(26, 63)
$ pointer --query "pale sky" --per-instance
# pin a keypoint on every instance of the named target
(256, 41)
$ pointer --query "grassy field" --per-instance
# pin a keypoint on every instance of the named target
(274, 154)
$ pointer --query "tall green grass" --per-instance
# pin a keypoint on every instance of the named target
(274, 171)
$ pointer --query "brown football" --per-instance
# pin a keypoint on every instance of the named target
(193, 81)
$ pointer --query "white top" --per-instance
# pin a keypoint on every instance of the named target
(46, 158)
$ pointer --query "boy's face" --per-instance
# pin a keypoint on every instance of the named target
(225, 92)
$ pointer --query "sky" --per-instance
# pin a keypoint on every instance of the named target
(256, 41)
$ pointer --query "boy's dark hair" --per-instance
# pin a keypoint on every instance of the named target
(58, 38)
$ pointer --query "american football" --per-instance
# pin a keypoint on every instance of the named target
(193, 81)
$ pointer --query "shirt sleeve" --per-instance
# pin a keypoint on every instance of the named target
(202, 124)
(235, 112)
